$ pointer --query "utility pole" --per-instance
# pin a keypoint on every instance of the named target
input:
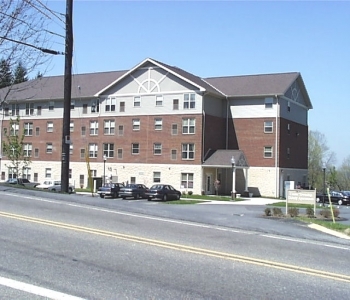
(67, 97)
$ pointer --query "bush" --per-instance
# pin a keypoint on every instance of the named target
(326, 213)
(277, 211)
(336, 212)
(267, 211)
(293, 212)
(310, 212)
(190, 193)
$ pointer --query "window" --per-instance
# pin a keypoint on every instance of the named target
(28, 129)
(95, 105)
(29, 109)
(187, 180)
(48, 147)
(288, 153)
(37, 131)
(51, 105)
(85, 106)
(49, 126)
(135, 124)
(27, 150)
(156, 177)
(36, 152)
(157, 149)
(288, 106)
(72, 104)
(26, 173)
(187, 151)
(108, 150)
(137, 101)
(288, 128)
(268, 151)
(109, 127)
(122, 106)
(93, 150)
(14, 129)
(173, 154)
(120, 153)
(38, 110)
(189, 101)
(121, 130)
(93, 127)
(6, 111)
(81, 181)
(15, 109)
(159, 100)
(48, 172)
(135, 148)
(174, 129)
(83, 130)
(71, 126)
(268, 126)
(82, 153)
(158, 124)
(268, 102)
(175, 104)
(188, 126)
(110, 104)
(71, 149)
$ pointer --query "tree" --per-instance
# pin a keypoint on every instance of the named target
(13, 148)
(344, 174)
(20, 74)
(319, 156)
(6, 77)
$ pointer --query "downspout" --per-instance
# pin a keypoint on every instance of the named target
(276, 149)
(227, 108)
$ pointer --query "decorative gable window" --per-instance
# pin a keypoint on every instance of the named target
(95, 105)
(268, 102)
(110, 104)
(29, 109)
(268, 126)
(268, 152)
(159, 100)
(137, 101)
(189, 101)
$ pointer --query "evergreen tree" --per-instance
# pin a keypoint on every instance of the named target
(20, 74)
(6, 77)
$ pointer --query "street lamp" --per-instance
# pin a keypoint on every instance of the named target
(324, 182)
(233, 192)
(104, 169)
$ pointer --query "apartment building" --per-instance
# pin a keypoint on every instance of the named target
(158, 123)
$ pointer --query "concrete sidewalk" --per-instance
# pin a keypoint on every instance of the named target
(244, 201)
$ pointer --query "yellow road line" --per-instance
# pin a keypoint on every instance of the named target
(184, 248)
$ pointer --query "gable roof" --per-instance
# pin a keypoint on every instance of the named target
(222, 159)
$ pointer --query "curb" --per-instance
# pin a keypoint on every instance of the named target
(329, 231)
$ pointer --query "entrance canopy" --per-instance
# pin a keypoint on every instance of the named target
(222, 159)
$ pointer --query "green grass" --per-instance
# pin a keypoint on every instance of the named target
(183, 202)
(209, 197)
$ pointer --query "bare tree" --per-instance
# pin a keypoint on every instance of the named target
(344, 174)
(24, 35)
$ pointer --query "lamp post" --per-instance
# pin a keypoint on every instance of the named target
(324, 182)
(233, 192)
(104, 169)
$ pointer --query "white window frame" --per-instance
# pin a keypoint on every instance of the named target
(187, 180)
(137, 101)
(49, 148)
(159, 100)
(189, 126)
(93, 150)
(51, 105)
(28, 129)
(268, 152)
(158, 124)
(136, 124)
(157, 148)
(157, 177)
(135, 148)
(189, 101)
(71, 126)
(94, 127)
(29, 109)
(188, 151)
(48, 172)
(111, 103)
(268, 127)
(268, 102)
(109, 127)
(49, 126)
(27, 149)
(173, 154)
(108, 150)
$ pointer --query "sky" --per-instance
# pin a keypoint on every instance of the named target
(222, 38)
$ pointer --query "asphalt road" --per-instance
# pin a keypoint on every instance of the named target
(92, 248)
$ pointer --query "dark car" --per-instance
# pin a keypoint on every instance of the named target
(133, 190)
(163, 192)
(339, 198)
(110, 189)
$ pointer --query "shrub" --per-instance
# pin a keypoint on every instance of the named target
(190, 193)
(326, 213)
(267, 211)
(336, 212)
(310, 212)
(293, 212)
(183, 192)
(277, 211)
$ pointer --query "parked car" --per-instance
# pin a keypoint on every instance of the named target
(110, 189)
(57, 188)
(133, 190)
(22, 181)
(163, 192)
(339, 198)
(48, 183)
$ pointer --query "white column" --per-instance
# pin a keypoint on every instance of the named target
(234, 181)
(246, 180)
